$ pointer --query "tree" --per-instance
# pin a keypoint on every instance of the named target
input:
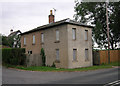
(7, 41)
(94, 13)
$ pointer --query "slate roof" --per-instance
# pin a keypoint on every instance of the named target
(65, 21)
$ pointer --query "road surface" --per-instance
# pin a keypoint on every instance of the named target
(101, 76)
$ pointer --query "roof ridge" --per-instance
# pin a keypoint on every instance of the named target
(67, 20)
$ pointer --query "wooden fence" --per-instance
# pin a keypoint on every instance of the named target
(101, 56)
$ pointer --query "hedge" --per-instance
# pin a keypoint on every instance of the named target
(13, 56)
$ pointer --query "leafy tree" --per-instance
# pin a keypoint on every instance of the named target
(7, 41)
(94, 13)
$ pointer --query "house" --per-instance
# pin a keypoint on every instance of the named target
(67, 43)
(16, 38)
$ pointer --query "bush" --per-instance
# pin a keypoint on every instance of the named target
(43, 56)
(53, 65)
(13, 56)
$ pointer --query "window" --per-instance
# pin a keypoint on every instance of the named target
(42, 37)
(24, 40)
(57, 54)
(33, 39)
(86, 35)
(86, 55)
(57, 35)
(74, 54)
(29, 52)
(74, 33)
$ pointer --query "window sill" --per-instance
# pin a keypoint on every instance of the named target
(57, 61)
(75, 61)
(87, 60)
(42, 42)
(33, 43)
(24, 45)
(56, 41)
(74, 39)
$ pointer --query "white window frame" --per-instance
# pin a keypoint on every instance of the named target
(57, 54)
(86, 35)
(74, 54)
(74, 33)
(24, 40)
(33, 39)
(57, 35)
(86, 54)
(42, 37)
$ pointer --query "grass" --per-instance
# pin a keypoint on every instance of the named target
(43, 68)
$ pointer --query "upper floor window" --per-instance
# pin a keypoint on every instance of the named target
(86, 35)
(24, 40)
(74, 54)
(74, 33)
(42, 37)
(86, 55)
(33, 39)
(57, 35)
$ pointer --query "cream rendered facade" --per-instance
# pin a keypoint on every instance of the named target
(65, 45)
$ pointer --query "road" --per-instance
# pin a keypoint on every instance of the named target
(101, 76)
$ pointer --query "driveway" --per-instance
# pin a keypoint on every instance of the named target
(101, 76)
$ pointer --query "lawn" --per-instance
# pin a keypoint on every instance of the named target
(44, 68)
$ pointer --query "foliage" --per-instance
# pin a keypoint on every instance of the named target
(94, 13)
(7, 41)
(43, 57)
(53, 65)
(10, 40)
(44, 68)
(13, 56)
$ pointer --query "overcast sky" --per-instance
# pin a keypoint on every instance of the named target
(25, 15)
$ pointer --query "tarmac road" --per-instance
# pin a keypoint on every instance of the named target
(101, 76)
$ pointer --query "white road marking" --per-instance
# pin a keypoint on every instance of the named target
(113, 83)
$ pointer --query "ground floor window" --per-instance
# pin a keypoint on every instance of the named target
(57, 54)
(74, 54)
(86, 55)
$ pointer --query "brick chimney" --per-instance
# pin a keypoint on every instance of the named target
(51, 17)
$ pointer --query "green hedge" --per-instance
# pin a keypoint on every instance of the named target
(13, 56)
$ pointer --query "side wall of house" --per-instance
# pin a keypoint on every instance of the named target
(50, 45)
(80, 44)
(34, 58)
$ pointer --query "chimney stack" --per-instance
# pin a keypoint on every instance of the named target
(51, 17)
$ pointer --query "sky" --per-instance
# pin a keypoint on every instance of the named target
(25, 15)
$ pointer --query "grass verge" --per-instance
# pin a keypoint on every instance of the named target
(43, 68)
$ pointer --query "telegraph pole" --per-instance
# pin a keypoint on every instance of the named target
(108, 31)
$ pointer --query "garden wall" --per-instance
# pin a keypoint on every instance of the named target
(33, 60)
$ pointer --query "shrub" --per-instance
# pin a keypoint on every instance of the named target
(53, 65)
(43, 56)
(13, 56)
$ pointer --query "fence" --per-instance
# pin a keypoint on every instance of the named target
(101, 56)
